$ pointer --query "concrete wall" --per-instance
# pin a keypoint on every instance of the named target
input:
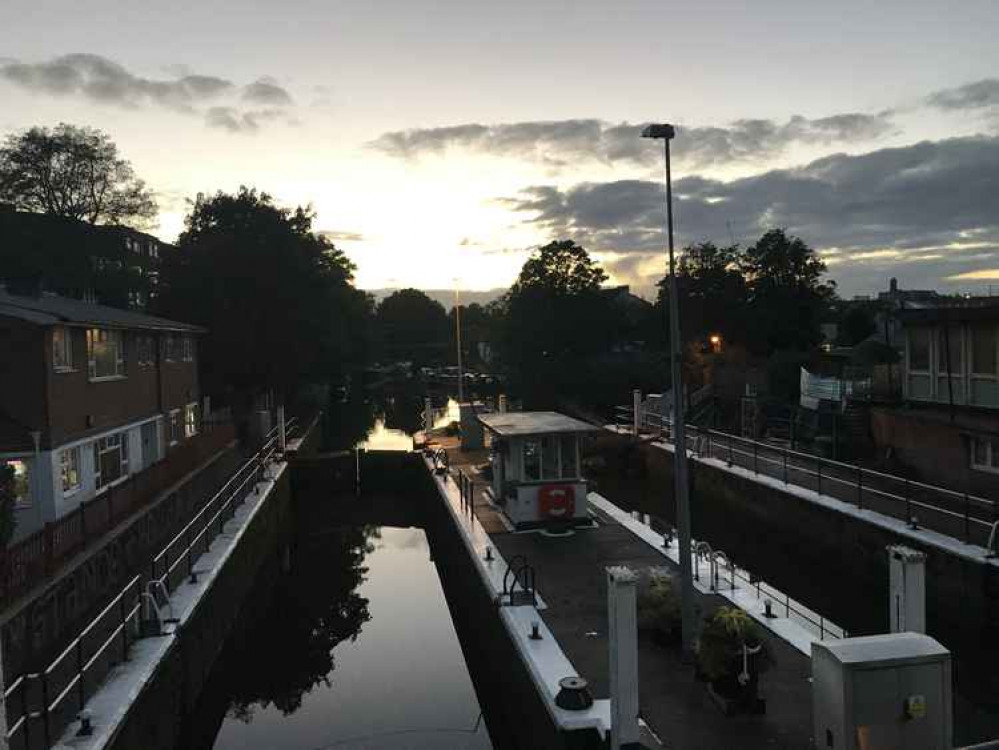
(834, 563)
(160, 717)
(37, 627)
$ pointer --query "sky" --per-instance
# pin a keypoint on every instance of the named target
(440, 142)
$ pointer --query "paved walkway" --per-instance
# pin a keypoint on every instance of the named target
(572, 580)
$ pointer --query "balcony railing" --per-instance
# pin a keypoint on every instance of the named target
(37, 557)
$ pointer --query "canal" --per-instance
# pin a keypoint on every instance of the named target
(354, 647)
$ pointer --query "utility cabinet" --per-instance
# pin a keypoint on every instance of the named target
(882, 692)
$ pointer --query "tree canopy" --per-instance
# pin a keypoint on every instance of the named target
(412, 326)
(74, 172)
(277, 298)
(555, 319)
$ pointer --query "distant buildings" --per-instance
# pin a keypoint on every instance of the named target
(112, 265)
(89, 395)
(949, 428)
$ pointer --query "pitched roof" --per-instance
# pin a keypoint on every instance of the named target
(51, 309)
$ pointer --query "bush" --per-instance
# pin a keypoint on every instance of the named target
(719, 648)
(659, 608)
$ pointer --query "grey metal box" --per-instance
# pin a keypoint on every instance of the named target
(890, 692)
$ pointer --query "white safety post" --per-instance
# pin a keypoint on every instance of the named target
(428, 416)
(282, 437)
(636, 397)
(622, 640)
(906, 590)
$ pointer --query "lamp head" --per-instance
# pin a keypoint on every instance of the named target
(659, 130)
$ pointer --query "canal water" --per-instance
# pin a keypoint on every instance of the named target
(354, 649)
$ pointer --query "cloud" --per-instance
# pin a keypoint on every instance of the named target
(267, 93)
(560, 142)
(930, 207)
(106, 82)
(978, 95)
(103, 81)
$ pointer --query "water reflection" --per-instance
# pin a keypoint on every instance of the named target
(356, 650)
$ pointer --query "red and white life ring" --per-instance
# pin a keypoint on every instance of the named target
(557, 501)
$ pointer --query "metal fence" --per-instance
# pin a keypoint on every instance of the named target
(40, 705)
(37, 557)
(957, 514)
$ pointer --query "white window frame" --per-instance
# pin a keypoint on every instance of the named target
(24, 501)
(62, 350)
(70, 464)
(991, 464)
(187, 346)
(175, 427)
(106, 444)
(109, 335)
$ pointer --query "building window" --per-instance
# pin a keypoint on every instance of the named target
(19, 473)
(144, 351)
(62, 349)
(188, 343)
(532, 460)
(105, 353)
(174, 427)
(985, 454)
(549, 457)
(949, 347)
(567, 456)
(192, 420)
(69, 460)
(983, 350)
(110, 459)
(919, 349)
(171, 348)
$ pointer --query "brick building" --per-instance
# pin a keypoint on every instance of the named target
(88, 396)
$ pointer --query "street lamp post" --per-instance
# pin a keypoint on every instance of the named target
(665, 133)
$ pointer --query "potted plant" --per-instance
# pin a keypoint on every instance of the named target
(732, 653)
(659, 609)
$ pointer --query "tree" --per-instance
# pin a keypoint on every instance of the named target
(276, 297)
(413, 327)
(713, 293)
(856, 325)
(556, 319)
(787, 295)
(74, 172)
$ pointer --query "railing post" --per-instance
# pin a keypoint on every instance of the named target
(819, 464)
(730, 462)
(48, 540)
(124, 629)
(785, 465)
(908, 502)
(860, 487)
(46, 733)
(756, 460)
(636, 399)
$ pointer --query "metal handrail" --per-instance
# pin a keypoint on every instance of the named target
(823, 470)
(125, 617)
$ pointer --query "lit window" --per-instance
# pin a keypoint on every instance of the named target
(18, 473)
(62, 349)
(169, 347)
(985, 454)
(919, 349)
(69, 460)
(110, 459)
(192, 417)
(188, 348)
(105, 353)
